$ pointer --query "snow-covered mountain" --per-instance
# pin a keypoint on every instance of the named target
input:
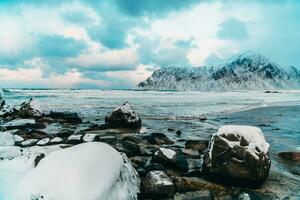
(248, 70)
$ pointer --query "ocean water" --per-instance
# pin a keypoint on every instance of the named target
(276, 113)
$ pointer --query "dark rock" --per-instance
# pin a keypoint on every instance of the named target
(197, 145)
(197, 195)
(231, 160)
(178, 132)
(132, 149)
(28, 109)
(187, 184)
(170, 159)
(38, 158)
(290, 156)
(123, 117)
(65, 132)
(154, 167)
(157, 185)
(171, 129)
(159, 138)
(137, 161)
(65, 117)
(141, 171)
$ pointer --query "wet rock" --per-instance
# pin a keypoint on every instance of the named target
(38, 158)
(22, 124)
(157, 185)
(29, 142)
(238, 155)
(171, 129)
(141, 171)
(75, 139)
(187, 184)
(170, 159)
(5, 109)
(290, 156)
(197, 195)
(123, 117)
(137, 161)
(154, 167)
(28, 109)
(65, 117)
(65, 132)
(148, 150)
(159, 138)
(132, 149)
(43, 142)
(89, 137)
(178, 132)
(197, 145)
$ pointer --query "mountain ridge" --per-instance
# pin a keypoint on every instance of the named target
(245, 71)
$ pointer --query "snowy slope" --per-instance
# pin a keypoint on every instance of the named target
(245, 71)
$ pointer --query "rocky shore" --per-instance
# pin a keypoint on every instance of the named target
(233, 164)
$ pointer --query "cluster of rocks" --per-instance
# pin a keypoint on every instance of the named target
(166, 170)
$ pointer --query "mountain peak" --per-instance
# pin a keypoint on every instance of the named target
(248, 70)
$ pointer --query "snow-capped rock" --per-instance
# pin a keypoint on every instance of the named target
(157, 185)
(86, 171)
(245, 71)
(123, 117)
(238, 155)
(30, 108)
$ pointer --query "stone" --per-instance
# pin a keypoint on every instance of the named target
(56, 140)
(237, 155)
(38, 158)
(158, 138)
(90, 137)
(29, 142)
(187, 184)
(197, 145)
(290, 156)
(123, 117)
(74, 139)
(22, 124)
(170, 159)
(132, 148)
(197, 195)
(65, 117)
(29, 109)
(157, 185)
(43, 142)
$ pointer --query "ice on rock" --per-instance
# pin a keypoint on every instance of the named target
(75, 137)
(86, 171)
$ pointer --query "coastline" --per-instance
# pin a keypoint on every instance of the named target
(174, 133)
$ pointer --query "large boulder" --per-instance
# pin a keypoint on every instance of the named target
(237, 155)
(123, 117)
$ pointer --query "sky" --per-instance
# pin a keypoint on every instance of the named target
(118, 43)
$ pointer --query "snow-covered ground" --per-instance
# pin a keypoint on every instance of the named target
(87, 171)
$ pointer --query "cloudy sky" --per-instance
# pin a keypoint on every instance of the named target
(118, 43)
